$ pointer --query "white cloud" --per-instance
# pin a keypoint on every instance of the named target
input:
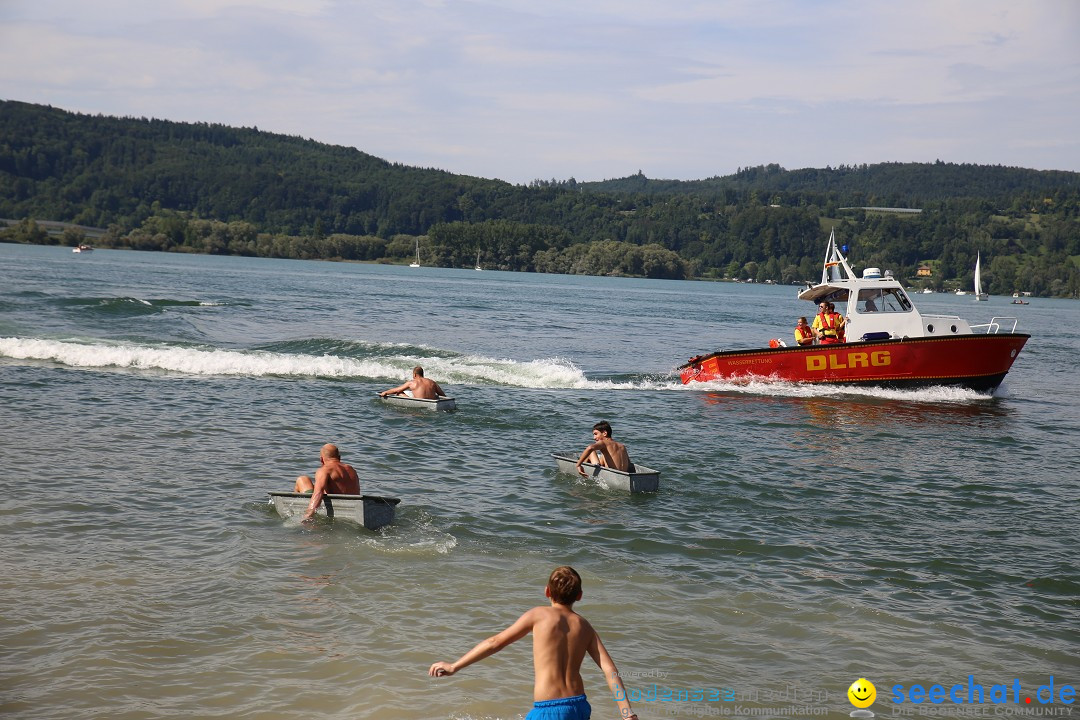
(518, 89)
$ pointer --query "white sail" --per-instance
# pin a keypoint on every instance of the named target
(417, 263)
(979, 294)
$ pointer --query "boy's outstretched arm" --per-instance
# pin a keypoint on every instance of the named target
(600, 656)
(492, 645)
(585, 454)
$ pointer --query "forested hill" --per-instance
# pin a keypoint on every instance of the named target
(884, 184)
(96, 170)
(197, 187)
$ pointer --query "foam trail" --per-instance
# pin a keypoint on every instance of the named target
(191, 361)
(463, 370)
(797, 390)
(472, 369)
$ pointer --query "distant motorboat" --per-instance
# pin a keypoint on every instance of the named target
(82, 249)
(417, 263)
(927, 291)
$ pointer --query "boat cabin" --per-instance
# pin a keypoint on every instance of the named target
(875, 306)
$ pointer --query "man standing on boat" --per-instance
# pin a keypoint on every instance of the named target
(421, 387)
(827, 324)
(333, 477)
(604, 451)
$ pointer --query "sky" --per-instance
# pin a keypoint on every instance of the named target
(522, 90)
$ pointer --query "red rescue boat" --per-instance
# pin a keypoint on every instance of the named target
(896, 347)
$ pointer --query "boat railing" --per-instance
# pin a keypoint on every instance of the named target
(994, 326)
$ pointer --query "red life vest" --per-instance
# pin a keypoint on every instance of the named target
(838, 324)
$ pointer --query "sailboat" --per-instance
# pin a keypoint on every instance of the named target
(979, 294)
(417, 263)
(478, 261)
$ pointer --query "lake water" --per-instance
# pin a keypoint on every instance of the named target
(801, 538)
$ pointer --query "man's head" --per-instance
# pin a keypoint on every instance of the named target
(418, 371)
(329, 452)
(564, 586)
(603, 427)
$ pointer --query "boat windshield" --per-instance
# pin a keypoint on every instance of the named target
(836, 297)
(883, 300)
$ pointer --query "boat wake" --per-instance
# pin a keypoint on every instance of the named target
(413, 533)
(356, 360)
(937, 394)
(333, 359)
(134, 306)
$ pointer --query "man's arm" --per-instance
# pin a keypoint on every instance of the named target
(484, 648)
(438, 390)
(321, 478)
(398, 389)
(600, 656)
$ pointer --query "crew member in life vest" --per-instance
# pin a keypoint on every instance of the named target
(804, 334)
(840, 323)
(826, 325)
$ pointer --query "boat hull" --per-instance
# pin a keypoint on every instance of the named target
(371, 511)
(642, 479)
(978, 362)
(444, 404)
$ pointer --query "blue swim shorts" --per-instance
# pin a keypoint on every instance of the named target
(570, 708)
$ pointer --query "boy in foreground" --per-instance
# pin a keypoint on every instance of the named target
(561, 638)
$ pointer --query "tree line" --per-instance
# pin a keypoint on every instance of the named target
(197, 187)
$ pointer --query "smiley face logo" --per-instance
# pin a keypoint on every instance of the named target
(862, 693)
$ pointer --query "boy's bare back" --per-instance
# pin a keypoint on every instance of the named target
(561, 638)
(615, 454)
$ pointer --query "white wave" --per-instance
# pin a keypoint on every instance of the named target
(788, 389)
(473, 369)
(461, 370)
(191, 361)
